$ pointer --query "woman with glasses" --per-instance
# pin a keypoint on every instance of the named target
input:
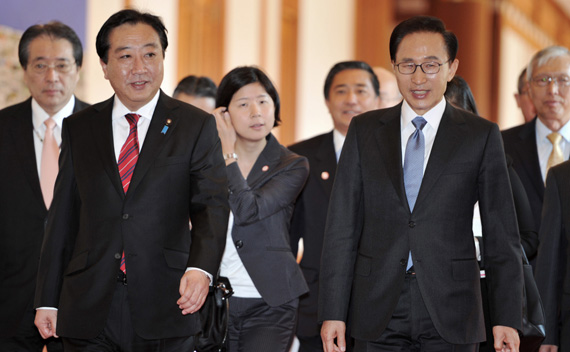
(264, 179)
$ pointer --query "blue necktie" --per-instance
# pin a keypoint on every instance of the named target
(414, 166)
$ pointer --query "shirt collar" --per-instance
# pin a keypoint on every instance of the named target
(39, 115)
(542, 131)
(433, 116)
(120, 110)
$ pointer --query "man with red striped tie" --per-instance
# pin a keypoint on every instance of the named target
(119, 262)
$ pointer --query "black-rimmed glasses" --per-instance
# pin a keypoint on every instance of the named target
(409, 68)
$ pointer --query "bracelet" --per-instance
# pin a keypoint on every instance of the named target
(231, 156)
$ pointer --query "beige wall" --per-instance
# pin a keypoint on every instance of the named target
(326, 32)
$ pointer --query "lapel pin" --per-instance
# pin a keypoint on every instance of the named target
(265, 168)
(325, 175)
(166, 125)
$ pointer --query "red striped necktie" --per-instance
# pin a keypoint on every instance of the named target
(128, 160)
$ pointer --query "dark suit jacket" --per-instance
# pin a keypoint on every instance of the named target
(262, 206)
(370, 229)
(22, 214)
(309, 218)
(179, 174)
(520, 145)
(552, 269)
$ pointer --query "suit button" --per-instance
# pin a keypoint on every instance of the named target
(403, 262)
(412, 224)
(239, 243)
(125, 216)
(118, 255)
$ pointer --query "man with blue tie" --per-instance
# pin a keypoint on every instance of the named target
(399, 258)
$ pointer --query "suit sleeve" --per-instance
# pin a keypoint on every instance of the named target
(342, 232)
(250, 205)
(503, 263)
(209, 210)
(550, 262)
(525, 220)
(61, 231)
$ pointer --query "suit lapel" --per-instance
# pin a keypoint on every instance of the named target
(325, 163)
(102, 131)
(22, 134)
(390, 148)
(528, 152)
(452, 129)
(154, 139)
(265, 163)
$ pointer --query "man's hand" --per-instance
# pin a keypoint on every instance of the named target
(46, 322)
(333, 329)
(548, 348)
(506, 339)
(193, 291)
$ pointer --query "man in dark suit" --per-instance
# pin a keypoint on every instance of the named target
(51, 56)
(398, 254)
(531, 145)
(351, 88)
(118, 260)
(552, 78)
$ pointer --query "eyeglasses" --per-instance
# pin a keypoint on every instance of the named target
(544, 81)
(60, 66)
(409, 68)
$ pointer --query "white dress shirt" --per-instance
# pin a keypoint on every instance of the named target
(338, 141)
(232, 267)
(433, 118)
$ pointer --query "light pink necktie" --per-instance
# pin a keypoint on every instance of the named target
(48, 166)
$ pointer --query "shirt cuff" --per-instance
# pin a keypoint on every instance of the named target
(47, 308)
(210, 277)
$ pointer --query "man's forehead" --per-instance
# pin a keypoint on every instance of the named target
(135, 31)
(62, 51)
(355, 76)
(432, 44)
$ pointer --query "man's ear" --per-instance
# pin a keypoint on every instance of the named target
(104, 67)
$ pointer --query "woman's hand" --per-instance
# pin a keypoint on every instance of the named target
(226, 130)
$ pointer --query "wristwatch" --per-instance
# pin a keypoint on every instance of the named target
(231, 156)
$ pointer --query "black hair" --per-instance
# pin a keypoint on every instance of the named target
(242, 76)
(351, 65)
(459, 94)
(423, 24)
(54, 30)
(131, 17)
(197, 87)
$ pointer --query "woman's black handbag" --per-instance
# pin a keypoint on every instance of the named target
(533, 331)
(214, 316)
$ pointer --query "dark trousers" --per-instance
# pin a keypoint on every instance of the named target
(256, 326)
(411, 328)
(28, 338)
(310, 343)
(119, 335)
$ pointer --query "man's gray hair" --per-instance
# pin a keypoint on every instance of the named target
(543, 56)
